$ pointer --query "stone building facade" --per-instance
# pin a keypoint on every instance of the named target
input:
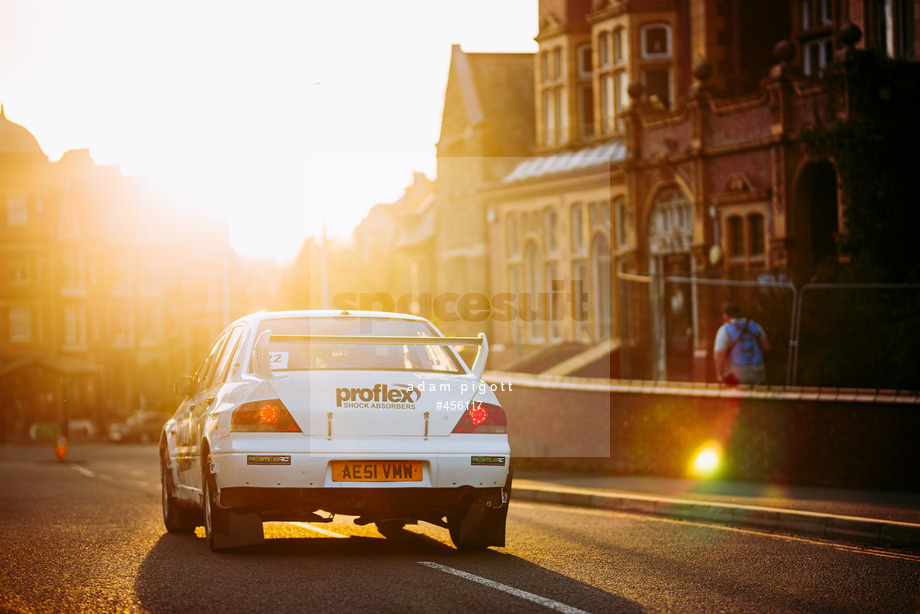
(667, 155)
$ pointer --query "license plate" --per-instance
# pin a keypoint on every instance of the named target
(376, 471)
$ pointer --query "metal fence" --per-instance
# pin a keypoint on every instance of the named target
(821, 335)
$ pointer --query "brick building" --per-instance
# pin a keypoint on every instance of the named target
(108, 290)
(667, 147)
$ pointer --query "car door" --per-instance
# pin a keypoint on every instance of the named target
(191, 411)
(219, 368)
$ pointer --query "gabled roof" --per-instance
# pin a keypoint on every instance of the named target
(491, 90)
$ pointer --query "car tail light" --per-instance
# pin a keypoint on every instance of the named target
(263, 417)
(482, 418)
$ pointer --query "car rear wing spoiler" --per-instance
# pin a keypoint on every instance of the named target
(260, 349)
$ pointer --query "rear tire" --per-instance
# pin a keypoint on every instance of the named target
(224, 529)
(214, 517)
(176, 517)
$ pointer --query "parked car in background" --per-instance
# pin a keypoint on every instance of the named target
(139, 427)
(301, 415)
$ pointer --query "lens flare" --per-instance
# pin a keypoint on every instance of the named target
(707, 460)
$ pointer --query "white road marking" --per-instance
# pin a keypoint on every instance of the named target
(549, 603)
(84, 471)
(111, 478)
(326, 532)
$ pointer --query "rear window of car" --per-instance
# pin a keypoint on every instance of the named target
(301, 354)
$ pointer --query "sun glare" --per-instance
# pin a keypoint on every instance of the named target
(707, 460)
(253, 111)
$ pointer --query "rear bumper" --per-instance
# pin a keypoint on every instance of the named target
(483, 462)
(301, 503)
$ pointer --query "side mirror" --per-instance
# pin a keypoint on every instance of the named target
(183, 386)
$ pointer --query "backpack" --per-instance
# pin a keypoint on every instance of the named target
(745, 348)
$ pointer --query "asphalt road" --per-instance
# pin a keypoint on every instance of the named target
(86, 535)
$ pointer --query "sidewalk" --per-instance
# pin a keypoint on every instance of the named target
(880, 518)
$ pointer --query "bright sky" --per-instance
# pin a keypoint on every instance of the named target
(267, 112)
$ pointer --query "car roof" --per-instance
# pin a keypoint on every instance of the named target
(327, 313)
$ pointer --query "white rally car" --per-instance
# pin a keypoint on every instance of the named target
(301, 415)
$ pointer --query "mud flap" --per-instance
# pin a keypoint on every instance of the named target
(481, 527)
(236, 530)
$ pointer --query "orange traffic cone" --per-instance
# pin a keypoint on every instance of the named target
(60, 448)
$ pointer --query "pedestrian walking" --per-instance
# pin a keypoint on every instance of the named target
(739, 349)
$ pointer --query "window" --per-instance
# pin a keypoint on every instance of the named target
(584, 61)
(531, 308)
(895, 28)
(511, 226)
(578, 228)
(73, 270)
(514, 287)
(20, 324)
(209, 364)
(656, 41)
(604, 48)
(671, 223)
(619, 51)
(553, 116)
(122, 326)
(586, 110)
(601, 289)
(555, 287)
(557, 63)
(619, 209)
(735, 236)
(818, 53)
(19, 269)
(611, 80)
(223, 365)
(608, 104)
(657, 83)
(74, 325)
(17, 211)
(805, 9)
(758, 236)
(619, 86)
(746, 237)
(559, 115)
(580, 306)
(552, 243)
(826, 14)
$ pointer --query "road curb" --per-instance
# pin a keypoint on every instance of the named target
(867, 531)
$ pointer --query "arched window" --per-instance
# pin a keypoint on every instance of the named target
(671, 224)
